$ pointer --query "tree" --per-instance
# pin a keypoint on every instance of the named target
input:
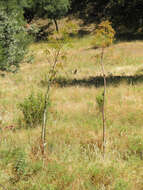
(13, 36)
(56, 57)
(53, 9)
(56, 9)
(119, 12)
(127, 13)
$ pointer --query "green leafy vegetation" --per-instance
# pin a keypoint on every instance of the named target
(73, 145)
(33, 108)
(13, 38)
(59, 146)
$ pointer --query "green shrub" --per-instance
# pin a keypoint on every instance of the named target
(33, 108)
(13, 38)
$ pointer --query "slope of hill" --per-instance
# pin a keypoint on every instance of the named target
(73, 159)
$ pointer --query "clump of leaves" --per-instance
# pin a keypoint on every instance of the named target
(99, 100)
(33, 108)
(104, 34)
(19, 165)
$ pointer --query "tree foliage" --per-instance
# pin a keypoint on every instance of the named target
(54, 9)
(104, 34)
(13, 41)
(13, 37)
(119, 12)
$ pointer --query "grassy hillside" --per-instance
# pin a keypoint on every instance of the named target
(73, 159)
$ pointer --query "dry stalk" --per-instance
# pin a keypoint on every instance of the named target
(52, 75)
(103, 106)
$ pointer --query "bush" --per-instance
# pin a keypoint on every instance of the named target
(33, 108)
(13, 38)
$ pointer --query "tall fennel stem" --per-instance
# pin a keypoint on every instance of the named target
(103, 107)
(43, 136)
(50, 80)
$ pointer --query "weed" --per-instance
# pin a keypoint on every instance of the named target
(19, 165)
(30, 59)
(136, 146)
(33, 108)
(99, 100)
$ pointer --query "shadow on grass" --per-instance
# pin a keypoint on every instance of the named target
(80, 34)
(128, 37)
(98, 81)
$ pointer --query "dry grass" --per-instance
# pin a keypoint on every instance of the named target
(73, 159)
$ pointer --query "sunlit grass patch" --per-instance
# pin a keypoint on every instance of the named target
(73, 158)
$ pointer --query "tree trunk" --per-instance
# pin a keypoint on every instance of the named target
(56, 24)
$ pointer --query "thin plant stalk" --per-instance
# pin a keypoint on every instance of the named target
(103, 106)
(43, 136)
(104, 36)
(52, 74)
